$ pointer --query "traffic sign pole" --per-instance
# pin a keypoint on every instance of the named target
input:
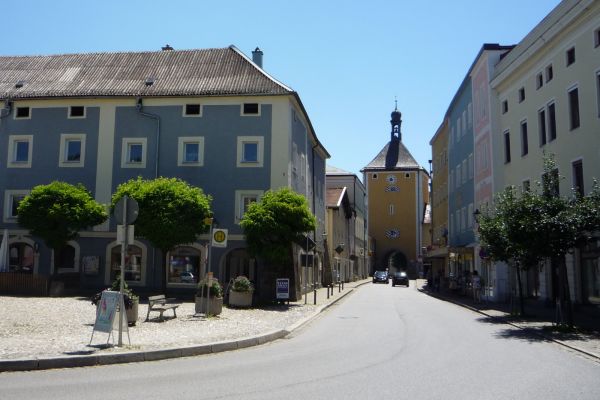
(122, 283)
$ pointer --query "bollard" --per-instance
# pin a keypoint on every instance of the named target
(339, 287)
(327, 292)
(315, 298)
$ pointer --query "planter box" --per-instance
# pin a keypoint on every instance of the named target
(132, 313)
(240, 299)
(215, 305)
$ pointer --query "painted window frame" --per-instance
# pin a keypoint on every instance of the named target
(524, 130)
(15, 115)
(185, 114)
(570, 56)
(572, 121)
(241, 142)
(506, 146)
(13, 140)
(239, 201)
(71, 116)
(244, 114)
(574, 164)
(9, 198)
(182, 141)
(125, 152)
(65, 138)
(143, 263)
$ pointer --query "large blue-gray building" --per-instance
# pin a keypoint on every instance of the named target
(211, 117)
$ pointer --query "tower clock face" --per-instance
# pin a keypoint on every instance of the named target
(391, 178)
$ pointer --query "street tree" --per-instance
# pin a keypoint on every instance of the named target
(271, 226)
(56, 212)
(171, 212)
(525, 229)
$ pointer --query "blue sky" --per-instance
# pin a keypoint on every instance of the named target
(348, 60)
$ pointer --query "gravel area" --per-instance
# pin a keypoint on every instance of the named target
(45, 327)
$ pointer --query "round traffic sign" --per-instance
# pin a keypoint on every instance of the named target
(126, 210)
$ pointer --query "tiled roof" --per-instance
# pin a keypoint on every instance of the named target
(393, 156)
(204, 72)
(331, 170)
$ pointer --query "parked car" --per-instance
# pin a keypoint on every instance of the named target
(187, 277)
(400, 278)
(380, 276)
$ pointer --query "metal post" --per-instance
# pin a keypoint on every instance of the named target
(122, 283)
(208, 274)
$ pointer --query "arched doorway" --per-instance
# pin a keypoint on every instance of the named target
(238, 262)
(396, 261)
(21, 257)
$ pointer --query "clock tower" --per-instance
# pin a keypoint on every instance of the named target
(398, 193)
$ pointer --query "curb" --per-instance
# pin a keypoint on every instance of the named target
(506, 321)
(35, 364)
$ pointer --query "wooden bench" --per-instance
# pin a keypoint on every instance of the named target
(161, 304)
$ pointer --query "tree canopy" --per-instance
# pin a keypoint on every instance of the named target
(58, 211)
(171, 212)
(273, 224)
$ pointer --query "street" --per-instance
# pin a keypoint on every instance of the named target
(381, 342)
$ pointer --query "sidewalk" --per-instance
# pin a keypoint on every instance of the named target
(539, 322)
(44, 332)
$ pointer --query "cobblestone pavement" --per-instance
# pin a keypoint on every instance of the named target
(38, 327)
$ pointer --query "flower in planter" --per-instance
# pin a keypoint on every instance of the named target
(215, 289)
(242, 284)
(129, 298)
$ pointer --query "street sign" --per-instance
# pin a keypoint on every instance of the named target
(126, 214)
(121, 234)
(219, 238)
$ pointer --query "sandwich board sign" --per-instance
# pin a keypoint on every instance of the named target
(283, 288)
(111, 303)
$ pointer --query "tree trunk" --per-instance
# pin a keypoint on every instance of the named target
(565, 314)
(520, 286)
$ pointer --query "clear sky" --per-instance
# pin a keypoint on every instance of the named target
(348, 60)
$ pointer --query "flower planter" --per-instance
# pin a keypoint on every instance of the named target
(132, 313)
(215, 305)
(240, 299)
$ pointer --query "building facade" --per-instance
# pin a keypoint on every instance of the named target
(548, 90)
(398, 192)
(355, 255)
(213, 118)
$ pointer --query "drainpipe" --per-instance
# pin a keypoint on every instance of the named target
(5, 112)
(139, 106)
(315, 231)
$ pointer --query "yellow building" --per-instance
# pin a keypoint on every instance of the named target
(397, 192)
(437, 252)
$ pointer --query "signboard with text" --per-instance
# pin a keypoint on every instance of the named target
(283, 288)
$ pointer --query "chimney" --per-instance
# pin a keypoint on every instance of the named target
(167, 48)
(257, 57)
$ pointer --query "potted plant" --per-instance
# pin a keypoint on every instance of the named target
(214, 292)
(132, 301)
(240, 292)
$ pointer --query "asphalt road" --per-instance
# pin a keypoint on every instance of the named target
(379, 343)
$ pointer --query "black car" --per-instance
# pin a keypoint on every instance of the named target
(380, 276)
(400, 278)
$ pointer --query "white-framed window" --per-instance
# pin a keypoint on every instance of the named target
(250, 109)
(464, 122)
(135, 263)
(574, 119)
(20, 148)
(549, 73)
(12, 198)
(76, 112)
(463, 219)
(521, 94)
(243, 199)
(22, 113)
(190, 151)
(504, 106)
(184, 265)
(458, 131)
(250, 151)
(133, 152)
(539, 80)
(72, 150)
(470, 115)
(570, 56)
(464, 171)
(192, 110)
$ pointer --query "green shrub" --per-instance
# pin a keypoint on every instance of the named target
(242, 284)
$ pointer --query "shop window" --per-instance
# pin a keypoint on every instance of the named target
(133, 263)
(184, 265)
(21, 258)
